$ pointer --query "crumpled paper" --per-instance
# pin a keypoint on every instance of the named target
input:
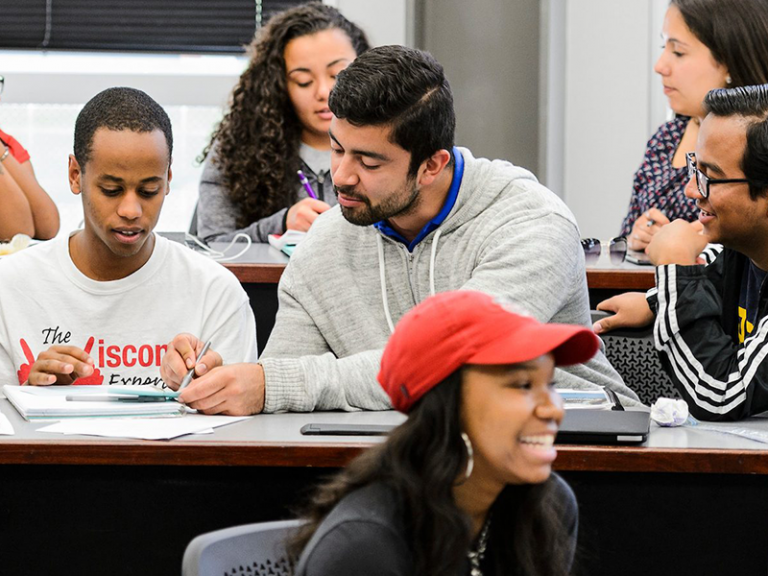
(669, 412)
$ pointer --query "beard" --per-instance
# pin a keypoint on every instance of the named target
(399, 203)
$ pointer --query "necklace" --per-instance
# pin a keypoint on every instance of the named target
(476, 556)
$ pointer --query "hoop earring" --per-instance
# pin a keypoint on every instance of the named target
(470, 456)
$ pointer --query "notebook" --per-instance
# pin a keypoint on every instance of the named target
(287, 242)
(51, 403)
(604, 427)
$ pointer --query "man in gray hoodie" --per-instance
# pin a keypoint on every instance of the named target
(416, 216)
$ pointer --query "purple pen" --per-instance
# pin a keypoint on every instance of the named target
(307, 186)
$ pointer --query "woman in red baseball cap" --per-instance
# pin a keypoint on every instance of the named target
(465, 485)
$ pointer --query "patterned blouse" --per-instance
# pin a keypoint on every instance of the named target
(657, 183)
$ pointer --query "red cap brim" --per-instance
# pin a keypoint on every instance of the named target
(570, 345)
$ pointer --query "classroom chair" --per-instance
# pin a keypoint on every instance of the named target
(632, 354)
(253, 549)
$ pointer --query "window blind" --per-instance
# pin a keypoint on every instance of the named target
(134, 25)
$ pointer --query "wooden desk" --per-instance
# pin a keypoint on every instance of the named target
(262, 264)
(679, 505)
(275, 440)
(605, 279)
(604, 275)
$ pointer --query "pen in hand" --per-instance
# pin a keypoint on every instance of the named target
(188, 378)
(307, 187)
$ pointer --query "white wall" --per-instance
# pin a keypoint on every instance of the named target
(384, 21)
(612, 103)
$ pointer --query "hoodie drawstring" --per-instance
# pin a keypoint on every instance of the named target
(383, 275)
(432, 263)
(383, 278)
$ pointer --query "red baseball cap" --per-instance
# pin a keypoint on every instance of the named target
(451, 329)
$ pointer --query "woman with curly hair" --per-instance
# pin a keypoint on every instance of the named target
(465, 485)
(278, 124)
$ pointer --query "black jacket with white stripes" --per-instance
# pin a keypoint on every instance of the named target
(696, 334)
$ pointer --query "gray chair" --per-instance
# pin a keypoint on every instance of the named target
(253, 549)
(633, 355)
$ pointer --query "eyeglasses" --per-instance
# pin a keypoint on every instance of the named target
(702, 180)
(593, 247)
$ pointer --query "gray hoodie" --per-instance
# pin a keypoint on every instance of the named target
(346, 285)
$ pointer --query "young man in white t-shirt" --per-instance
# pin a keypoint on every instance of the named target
(99, 305)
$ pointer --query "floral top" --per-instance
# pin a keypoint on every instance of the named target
(657, 183)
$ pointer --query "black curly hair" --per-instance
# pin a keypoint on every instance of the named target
(119, 109)
(257, 142)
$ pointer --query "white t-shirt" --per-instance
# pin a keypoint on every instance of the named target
(124, 324)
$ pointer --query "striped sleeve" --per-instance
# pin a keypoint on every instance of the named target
(719, 379)
(710, 253)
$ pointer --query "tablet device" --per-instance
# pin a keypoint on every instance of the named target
(604, 427)
(347, 429)
(578, 427)
(638, 257)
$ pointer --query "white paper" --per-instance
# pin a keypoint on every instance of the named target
(5, 426)
(669, 412)
(142, 428)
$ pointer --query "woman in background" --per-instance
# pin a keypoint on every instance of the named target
(465, 485)
(25, 208)
(278, 124)
(707, 44)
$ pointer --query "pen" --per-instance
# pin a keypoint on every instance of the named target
(307, 187)
(188, 378)
(115, 398)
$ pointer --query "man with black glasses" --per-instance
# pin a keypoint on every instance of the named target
(710, 321)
